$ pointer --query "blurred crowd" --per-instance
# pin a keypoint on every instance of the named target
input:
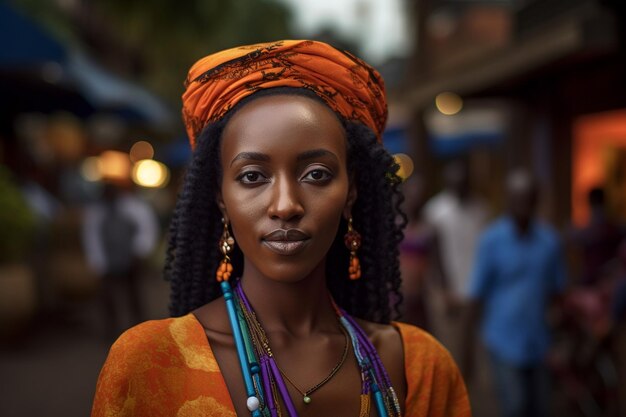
(520, 273)
(540, 311)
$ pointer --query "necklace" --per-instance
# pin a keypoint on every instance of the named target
(261, 336)
(265, 383)
(306, 395)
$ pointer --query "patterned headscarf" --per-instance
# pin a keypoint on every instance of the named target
(348, 85)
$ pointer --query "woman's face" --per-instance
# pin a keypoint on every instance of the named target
(285, 184)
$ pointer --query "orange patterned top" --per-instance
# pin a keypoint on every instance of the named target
(166, 368)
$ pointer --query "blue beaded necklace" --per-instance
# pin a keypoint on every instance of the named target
(263, 380)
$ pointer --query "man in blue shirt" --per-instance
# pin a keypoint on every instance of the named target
(517, 272)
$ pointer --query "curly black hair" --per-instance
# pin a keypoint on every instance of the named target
(195, 228)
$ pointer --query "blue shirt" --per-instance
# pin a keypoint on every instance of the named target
(515, 277)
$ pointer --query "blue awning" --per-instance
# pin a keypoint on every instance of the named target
(23, 43)
(106, 91)
(53, 76)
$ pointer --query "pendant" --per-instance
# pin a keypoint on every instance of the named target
(306, 399)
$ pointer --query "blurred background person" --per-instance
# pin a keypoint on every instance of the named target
(619, 318)
(518, 272)
(618, 306)
(418, 255)
(119, 231)
(618, 315)
(588, 342)
(457, 217)
(597, 241)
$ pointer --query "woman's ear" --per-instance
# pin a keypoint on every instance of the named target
(352, 195)
(222, 206)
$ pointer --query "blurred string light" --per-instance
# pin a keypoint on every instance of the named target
(406, 165)
(448, 103)
(141, 150)
(150, 173)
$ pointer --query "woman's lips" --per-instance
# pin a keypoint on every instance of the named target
(286, 241)
(286, 247)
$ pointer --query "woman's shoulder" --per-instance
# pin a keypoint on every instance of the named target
(416, 340)
(155, 334)
(422, 351)
(378, 332)
(385, 338)
(431, 373)
(170, 355)
(174, 343)
(410, 338)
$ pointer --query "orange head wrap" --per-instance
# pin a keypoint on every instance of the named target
(348, 85)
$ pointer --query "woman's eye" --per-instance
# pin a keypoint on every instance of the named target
(317, 175)
(251, 177)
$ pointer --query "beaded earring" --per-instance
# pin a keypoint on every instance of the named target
(227, 243)
(352, 239)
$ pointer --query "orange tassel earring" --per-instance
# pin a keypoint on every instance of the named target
(352, 239)
(227, 243)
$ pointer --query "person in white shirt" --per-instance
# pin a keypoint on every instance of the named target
(458, 217)
(119, 231)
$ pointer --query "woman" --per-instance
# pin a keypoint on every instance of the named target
(287, 166)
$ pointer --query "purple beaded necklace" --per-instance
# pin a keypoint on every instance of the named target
(271, 384)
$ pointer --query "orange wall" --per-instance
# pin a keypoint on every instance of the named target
(594, 138)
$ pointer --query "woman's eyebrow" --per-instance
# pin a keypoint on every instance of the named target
(255, 156)
(316, 153)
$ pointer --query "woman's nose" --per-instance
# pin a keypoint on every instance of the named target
(285, 204)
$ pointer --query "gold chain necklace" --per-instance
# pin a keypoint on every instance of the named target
(306, 395)
(259, 333)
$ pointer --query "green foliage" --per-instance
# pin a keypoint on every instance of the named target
(16, 220)
(173, 34)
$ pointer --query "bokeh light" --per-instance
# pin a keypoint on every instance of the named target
(90, 169)
(406, 165)
(150, 173)
(141, 150)
(448, 103)
(114, 165)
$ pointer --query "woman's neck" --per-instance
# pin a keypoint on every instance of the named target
(298, 308)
